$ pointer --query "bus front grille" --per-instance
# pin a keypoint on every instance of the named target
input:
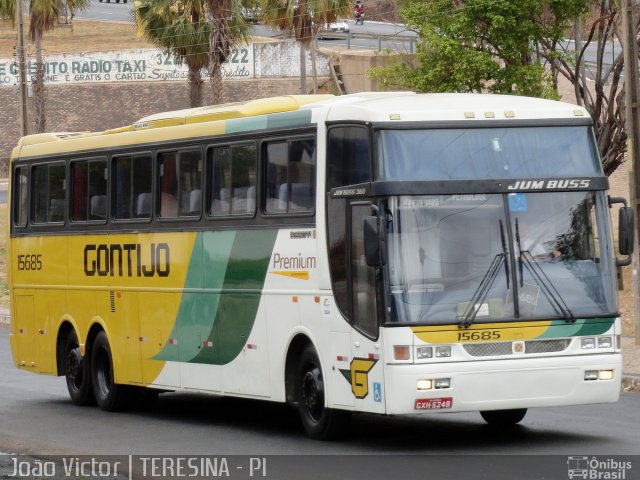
(496, 349)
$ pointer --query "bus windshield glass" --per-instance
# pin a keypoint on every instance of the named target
(456, 258)
(483, 153)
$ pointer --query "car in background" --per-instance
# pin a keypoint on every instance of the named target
(339, 26)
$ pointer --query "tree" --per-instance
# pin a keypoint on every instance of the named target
(228, 27)
(180, 27)
(598, 84)
(43, 16)
(303, 17)
(518, 47)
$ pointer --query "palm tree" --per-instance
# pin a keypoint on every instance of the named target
(180, 27)
(229, 28)
(43, 16)
(303, 17)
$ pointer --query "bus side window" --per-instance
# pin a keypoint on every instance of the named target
(348, 159)
(49, 187)
(20, 197)
(132, 179)
(233, 180)
(291, 176)
(180, 175)
(89, 190)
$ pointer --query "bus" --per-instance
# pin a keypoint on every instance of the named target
(389, 253)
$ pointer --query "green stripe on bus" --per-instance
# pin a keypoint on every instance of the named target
(289, 119)
(236, 312)
(233, 261)
(194, 321)
(590, 326)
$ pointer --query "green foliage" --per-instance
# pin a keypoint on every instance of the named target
(180, 27)
(481, 45)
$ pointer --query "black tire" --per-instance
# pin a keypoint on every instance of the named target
(109, 395)
(319, 422)
(504, 418)
(77, 372)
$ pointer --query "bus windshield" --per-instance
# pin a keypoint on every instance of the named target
(482, 153)
(455, 258)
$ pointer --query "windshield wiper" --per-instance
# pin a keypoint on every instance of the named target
(480, 295)
(525, 259)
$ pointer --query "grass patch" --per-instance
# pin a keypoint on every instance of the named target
(82, 36)
(4, 287)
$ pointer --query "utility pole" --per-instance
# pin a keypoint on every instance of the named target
(632, 126)
(22, 66)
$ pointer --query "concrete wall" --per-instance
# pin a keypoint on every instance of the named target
(354, 65)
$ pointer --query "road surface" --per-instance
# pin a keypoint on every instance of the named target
(36, 417)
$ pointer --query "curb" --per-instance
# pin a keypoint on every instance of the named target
(631, 381)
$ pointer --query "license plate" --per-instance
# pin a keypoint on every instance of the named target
(433, 403)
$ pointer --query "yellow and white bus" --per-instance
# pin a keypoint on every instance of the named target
(388, 253)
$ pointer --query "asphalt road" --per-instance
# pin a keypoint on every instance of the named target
(36, 417)
(123, 12)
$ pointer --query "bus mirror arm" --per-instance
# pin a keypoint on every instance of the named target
(375, 238)
(626, 231)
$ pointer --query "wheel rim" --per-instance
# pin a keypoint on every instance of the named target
(103, 373)
(74, 369)
(313, 393)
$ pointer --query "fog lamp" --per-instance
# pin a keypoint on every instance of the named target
(605, 375)
(591, 375)
(424, 384)
(443, 382)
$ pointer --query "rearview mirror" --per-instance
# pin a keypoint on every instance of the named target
(626, 231)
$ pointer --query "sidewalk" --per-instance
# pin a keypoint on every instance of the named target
(630, 363)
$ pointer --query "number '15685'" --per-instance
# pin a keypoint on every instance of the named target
(30, 262)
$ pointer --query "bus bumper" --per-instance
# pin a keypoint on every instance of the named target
(502, 384)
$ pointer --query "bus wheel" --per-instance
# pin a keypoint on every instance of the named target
(78, 373)
(109, 395)
(504, 418)
(320, 423)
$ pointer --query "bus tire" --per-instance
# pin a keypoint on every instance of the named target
(504, 418)
(77, 372)
(319, 422)
(109, 395)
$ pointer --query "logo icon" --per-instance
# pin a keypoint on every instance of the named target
(358, 376)
(578, 467)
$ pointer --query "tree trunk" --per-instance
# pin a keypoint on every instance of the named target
(314, 68)
(195, 87)
(39, 93)
(303, 69)
(216, 82)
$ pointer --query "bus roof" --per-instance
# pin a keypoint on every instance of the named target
(296, 110)
(446, 107)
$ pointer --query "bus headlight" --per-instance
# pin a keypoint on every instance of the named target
(424, 352)
(443, 351)
(588, 343)
(604, 342)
